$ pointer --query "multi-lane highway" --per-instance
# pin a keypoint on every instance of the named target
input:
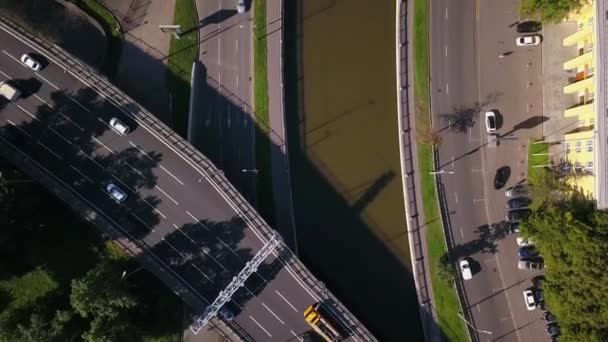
(179, 217)
(467, 74)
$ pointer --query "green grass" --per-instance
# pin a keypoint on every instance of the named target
(265, 201)
(446, 299)
(112, 30)
(182, 53)
(538, 155)
(25, 289)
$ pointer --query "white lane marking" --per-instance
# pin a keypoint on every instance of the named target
(41, 100)
(153, 208)
(478, 199)
(452, 163)
(164, 193)
(275, 316)
(136, 170)
(91, 159)
(446, 13)
(259, 325)
(203, 273)
(237, 81)
(296, 336)
(123, 183)
(172, 175)
(197, 221)
(11, 56)
(461, 233)
(19, 128)
(104, 123)
(103, 145)
(446, 50)
(28, 113)
(82, 174)
(61, 136)
(219, 52)
(181, 231)
(236, 45)
(79, 104)
(456, 197)
(70, 120)
(286, 301)
(175, 249)
(142, 221)
(478, 309)
(48, 149)
(447, 88)
(140, 150)
(47, 81)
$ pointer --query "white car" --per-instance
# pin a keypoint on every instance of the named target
(119, 126)
(531, 40)
(490, 122)
(30, 62)
(529, 300)
(521, 241)
(465, 268)
(115, 192)
(240, 6)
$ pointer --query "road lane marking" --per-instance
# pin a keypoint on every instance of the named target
(61, 136)
(135, 170)
(446, 13)
(175, 249)
(478, 309)
(123, 183)
(286, 301)
(237, 81)
(447, 89)
(19, 128)
(92, 159)
(172, 175)
(41, 100)
(153, 208)
(15, 59)
(103, 145)
(78, 103)
(478, 199)
(452, 163)
(456, 197)
(446, 50)
(259, 325)
(275, 316)
(70, 120)
(203, 273)
(161, 190)
(181, 231)
(142, 221)
(296, 336)
(28, 113)
(236, 45)
(140, 150)
(48, 149)
(461, 233)
(82, 174)
(45, 80)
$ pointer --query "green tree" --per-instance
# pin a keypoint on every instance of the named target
(445, 270)
(551, 11)
(41, 330)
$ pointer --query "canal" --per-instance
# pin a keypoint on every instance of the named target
(344, 154)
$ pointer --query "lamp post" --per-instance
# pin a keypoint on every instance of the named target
(255, 171)
(472, 327)
(440, 172)
(126, 274)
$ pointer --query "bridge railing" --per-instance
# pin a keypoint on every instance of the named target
(195, 158)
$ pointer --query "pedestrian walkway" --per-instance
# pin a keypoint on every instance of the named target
(142, 68)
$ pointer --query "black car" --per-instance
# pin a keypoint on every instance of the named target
(519, 202)
(549, 317)
(552, 329)
(501, 177)
(529, 26)
(515, 215)
(527, 252)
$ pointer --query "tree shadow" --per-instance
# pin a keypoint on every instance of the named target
(461, 118)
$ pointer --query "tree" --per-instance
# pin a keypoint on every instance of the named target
(41, 330)
(461, 119)
(427, 135)
(551, 11)
(445, 271)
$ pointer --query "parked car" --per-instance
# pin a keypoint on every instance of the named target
(530, 40)
(515, 215)
(527, 252)
(31, 63)
(539, 295)
(549, 317)
(518, 202)
(522, 241)
(516, 191)
(514, 226)
(115, 192)
(552, 329)
(465, 268)
(530, 264)
(490, 122)
(501, 177)
(240, 6)
(529, 300)
(119, 126)
(529, 26)
(226, 313)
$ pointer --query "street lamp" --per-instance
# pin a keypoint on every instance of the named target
(250, 171)
(125, 274)
(472, 327)
(440, 172)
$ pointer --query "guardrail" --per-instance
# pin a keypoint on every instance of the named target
(195, 158)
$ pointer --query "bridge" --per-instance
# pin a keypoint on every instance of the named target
(182, 219)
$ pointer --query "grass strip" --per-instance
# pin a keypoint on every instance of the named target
(446, 299)
(265, 201)
(182, 53)
(112, 30)
(538, 158)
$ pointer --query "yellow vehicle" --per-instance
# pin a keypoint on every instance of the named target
(320, 324)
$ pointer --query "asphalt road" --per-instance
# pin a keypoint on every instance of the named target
(226, 129)
(466, 73)
(61, 124)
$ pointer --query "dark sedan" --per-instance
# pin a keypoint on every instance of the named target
(527, 252)
(515, 215)
(519, 202)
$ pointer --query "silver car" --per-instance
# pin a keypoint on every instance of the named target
(115, 192)
(240, 6)
(31, 62)
(119, 126)
(531, 40)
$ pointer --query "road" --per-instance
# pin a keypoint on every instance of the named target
(466, 73)
(60, 124)
(226, 129)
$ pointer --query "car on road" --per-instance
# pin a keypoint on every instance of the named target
(226, 313)
(549, 317)
(501, 177)
(515, 215)
(530, 264)
(552, 329)
(527, 252)
(518, 202)
(490, 122)
(240, 6)
(31, 63)
(465, 268)
(522, 241)
(529, 26)
(115, 192)
(119, 126)
(516, 191)
(529, 300)
(530, 40)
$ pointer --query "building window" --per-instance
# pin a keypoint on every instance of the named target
(567, 147)
(589, 145)
(581, 123)
(578, 167)
(580, 26)
(577, 147)
(589, 167)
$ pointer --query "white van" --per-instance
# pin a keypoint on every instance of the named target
(9, 92)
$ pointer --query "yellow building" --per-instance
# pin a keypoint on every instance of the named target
(580, 151)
